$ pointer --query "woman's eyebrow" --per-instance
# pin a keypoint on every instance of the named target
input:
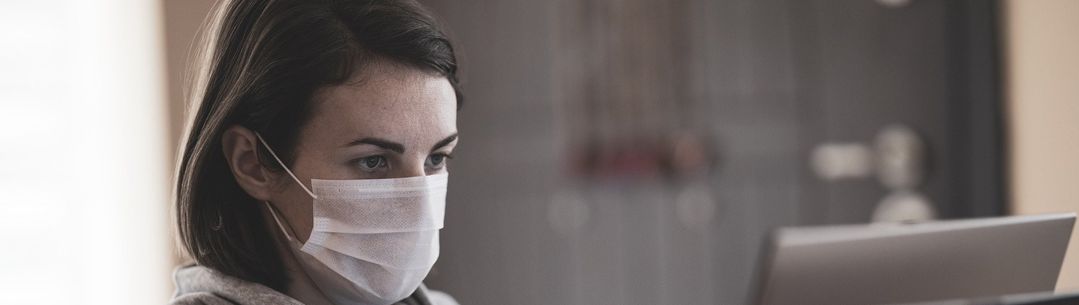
(398, 147)
(445, 142)
(383, 143)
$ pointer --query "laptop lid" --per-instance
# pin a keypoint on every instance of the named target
(901, 263)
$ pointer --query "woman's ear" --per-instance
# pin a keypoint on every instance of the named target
(240, 146)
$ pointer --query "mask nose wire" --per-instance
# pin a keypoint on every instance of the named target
(305, 189)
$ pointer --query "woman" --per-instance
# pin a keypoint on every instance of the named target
(314, 167)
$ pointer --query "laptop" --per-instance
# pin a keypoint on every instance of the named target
(913, 262)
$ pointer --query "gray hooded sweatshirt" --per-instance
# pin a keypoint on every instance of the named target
(198, 285)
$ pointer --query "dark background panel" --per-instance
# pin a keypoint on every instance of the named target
(763, 82)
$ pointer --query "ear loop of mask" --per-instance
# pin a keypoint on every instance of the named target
(274, 155)
(273, 212)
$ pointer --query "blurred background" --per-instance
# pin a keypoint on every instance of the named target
(614, 151)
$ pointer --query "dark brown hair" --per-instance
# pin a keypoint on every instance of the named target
(259, 65)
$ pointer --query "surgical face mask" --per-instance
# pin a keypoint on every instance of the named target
(373, 241)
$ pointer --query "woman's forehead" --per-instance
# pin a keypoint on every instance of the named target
(404, 104)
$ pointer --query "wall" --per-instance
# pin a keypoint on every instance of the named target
(1043, 93)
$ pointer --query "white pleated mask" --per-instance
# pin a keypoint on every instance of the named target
(373, 241)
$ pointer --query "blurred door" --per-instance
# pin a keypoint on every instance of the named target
(931, 66)
(765, 82)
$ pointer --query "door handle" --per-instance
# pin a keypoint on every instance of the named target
(897, 159)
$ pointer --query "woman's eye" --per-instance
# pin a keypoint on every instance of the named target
(372, 163)
(437, 160)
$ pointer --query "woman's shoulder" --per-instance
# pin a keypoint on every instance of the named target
(198, 285)
(440, 298)
(199, 298)
(426, 296)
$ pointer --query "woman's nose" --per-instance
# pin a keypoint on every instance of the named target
(411, 168)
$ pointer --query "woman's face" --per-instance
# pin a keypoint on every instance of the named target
(388, 121)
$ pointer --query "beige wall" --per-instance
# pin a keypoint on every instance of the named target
(182, 20)
(1042, 47)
